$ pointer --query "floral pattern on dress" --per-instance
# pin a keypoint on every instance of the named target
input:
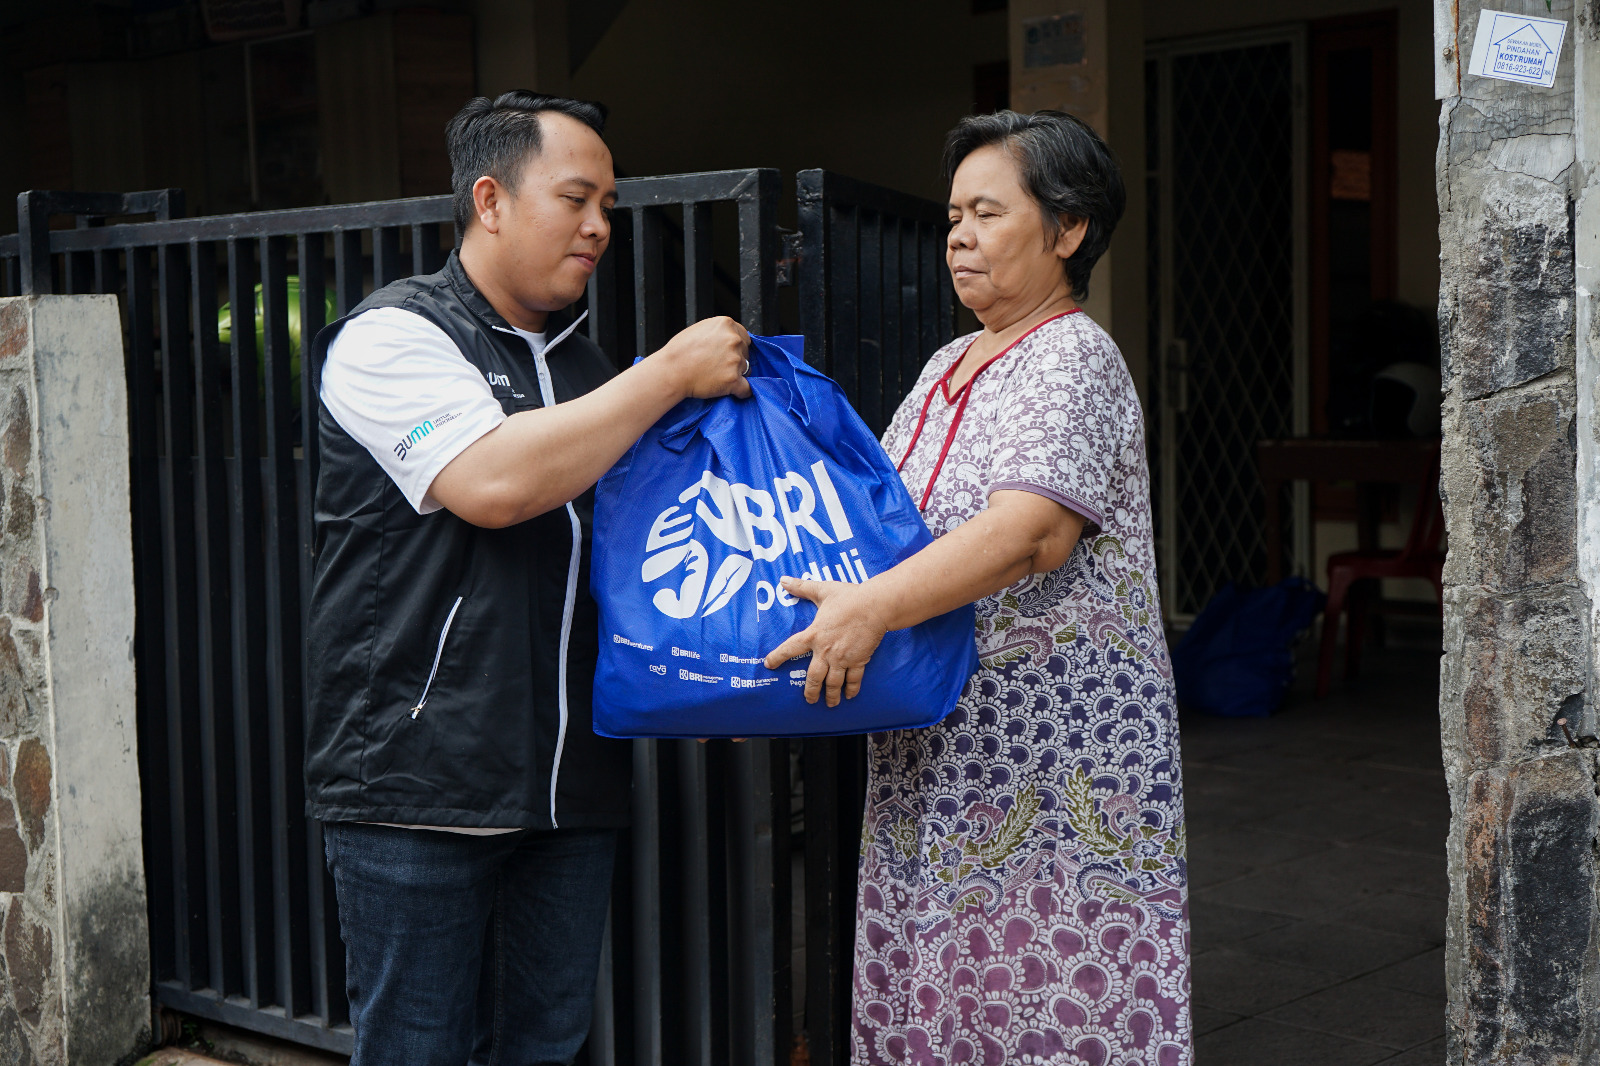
(1023, 880)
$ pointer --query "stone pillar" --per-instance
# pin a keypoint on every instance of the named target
(76, 985)
(521, 44)
(1518, 598)
(1086, 57)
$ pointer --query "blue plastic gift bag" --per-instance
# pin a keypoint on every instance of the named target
(1237, 659)
(696, 525)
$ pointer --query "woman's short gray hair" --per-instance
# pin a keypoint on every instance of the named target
(1066, 168)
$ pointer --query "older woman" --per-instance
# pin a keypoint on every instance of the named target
(1022, 884)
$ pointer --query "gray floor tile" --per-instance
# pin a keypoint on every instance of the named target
(1207, 1020)
(1334, 822)
(1244, 984)
(1342, 949)
(1205, 871)
(1218, 925)
(1317, 850)
(1249, 846)
(1364, 1009)
(1430, 1054)
(1257, 1042)
(1397, 912)
(1318, 884)
(1426, 838)
(1423, 974)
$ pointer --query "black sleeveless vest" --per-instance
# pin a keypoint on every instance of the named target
(452, 666)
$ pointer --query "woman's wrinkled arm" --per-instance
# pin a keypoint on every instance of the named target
(1018, 534)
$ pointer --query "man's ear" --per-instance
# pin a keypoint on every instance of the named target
(1070, 239)
(487, 197)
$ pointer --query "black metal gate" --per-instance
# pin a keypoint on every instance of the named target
(243, 926)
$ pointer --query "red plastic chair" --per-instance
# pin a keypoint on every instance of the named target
(1351, 578)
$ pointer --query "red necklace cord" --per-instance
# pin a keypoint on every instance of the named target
(961, 408)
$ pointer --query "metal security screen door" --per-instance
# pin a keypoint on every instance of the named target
(1227, 152)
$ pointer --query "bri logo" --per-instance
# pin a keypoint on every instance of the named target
(410, 440)
(759, 526)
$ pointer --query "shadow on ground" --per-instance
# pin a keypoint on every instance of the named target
(1317, 872)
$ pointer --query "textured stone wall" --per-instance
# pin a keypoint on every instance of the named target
(1519, 608)
(73, 933)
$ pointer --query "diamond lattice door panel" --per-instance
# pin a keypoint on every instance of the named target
(1226, 235)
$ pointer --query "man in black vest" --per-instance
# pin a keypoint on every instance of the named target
(470, 810)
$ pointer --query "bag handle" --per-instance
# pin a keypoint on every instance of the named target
(772, 359)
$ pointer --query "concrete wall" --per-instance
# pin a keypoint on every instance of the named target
(1519, 623)
(75, 942)
(868, 89)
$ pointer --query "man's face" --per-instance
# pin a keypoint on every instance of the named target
(552, 230)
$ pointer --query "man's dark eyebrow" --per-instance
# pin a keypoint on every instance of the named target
(589, 186)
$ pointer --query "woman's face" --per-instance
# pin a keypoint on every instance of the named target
(998, 253)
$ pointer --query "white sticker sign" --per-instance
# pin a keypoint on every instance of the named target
(1517, 48)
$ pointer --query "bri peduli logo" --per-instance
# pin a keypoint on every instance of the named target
(760, 526)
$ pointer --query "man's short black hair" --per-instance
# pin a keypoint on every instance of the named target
(495, 138)
(1066, 168)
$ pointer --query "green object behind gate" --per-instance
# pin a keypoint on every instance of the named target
(225, 332)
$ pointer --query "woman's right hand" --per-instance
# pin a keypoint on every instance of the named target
(841, 639)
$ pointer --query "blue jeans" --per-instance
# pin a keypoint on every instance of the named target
(470, 949)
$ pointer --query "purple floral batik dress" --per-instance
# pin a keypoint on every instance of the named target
(1023, 892)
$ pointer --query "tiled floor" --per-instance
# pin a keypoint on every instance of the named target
(1317, 872)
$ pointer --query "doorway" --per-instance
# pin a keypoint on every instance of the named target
(1228, 259)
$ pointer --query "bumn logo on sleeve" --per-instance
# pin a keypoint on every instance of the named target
(412, 439)
(760, 526)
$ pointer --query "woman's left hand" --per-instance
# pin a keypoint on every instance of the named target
(841, 639)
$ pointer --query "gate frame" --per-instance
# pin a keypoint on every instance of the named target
(734, 993)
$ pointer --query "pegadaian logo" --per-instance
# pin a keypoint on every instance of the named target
(760, 526)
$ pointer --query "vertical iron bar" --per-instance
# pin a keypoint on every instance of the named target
(105, 270)
(249, 634)
(757, 909)
(824, 969)
(216, 677)
(646, 906)
(931, 276)
(283, 636)
(697, 263)
(426, 257)
(163, 815)
(385, 256)
(33, 243)
(906, 363)
(313, 316)
(649, 288)
(78, 272)
(871, 324)
(347, 270)
(889, 330)
(811, 201)
(178, 528)
(696, 916)
(758, 252)
(323, 942)
(844, 296)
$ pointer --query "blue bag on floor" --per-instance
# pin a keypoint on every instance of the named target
(1237, 659)
(695, 526)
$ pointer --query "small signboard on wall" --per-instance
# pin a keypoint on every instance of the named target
(1053, 41)
(1514, 47)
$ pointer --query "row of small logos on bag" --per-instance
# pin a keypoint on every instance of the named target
(796, 677)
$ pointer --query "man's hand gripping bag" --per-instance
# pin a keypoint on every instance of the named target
(695, 527)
